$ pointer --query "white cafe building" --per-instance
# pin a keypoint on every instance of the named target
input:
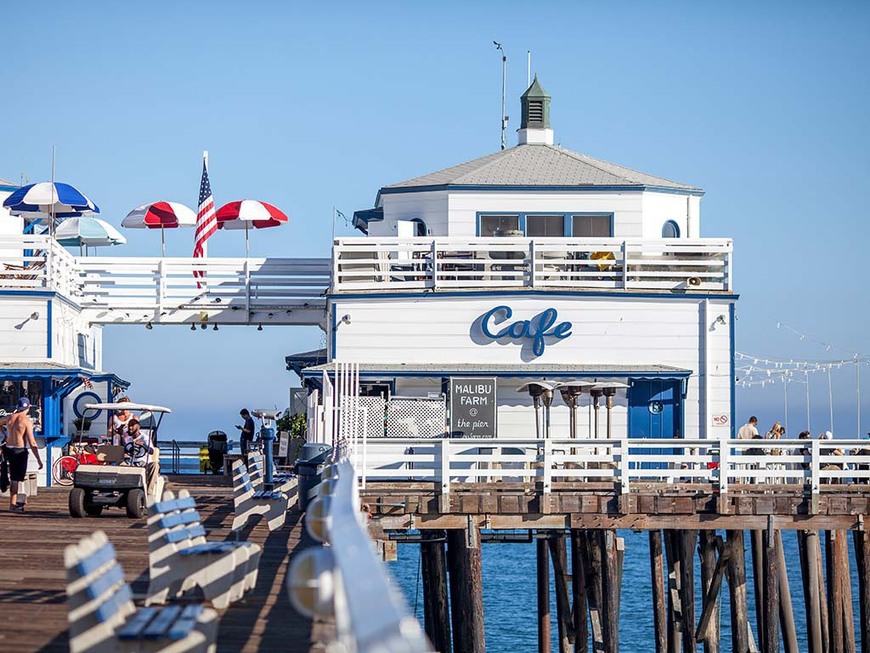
(534, 264)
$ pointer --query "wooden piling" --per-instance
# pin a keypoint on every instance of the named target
(711, 577)
(658, 591)
(757, 545)
(610, 590)
(823, 601)
(559, 555)
(835, 591)
(436, 607)
(578, 592)
(675, 610)
(808, 549)
(594, 591)
(786, 614)
(862, 558)
(737, 586)
(466, 589)
(841, 559)
(687, 540)
(543, 596)
(770, 578)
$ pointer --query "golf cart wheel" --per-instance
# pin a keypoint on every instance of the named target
(136, 503)
(93, 510)
(77, 502)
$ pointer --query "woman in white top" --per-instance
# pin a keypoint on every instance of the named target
(120, 420)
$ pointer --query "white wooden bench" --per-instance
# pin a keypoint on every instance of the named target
(102, 616)
(256, 470)
(180, 558)
(249, 501)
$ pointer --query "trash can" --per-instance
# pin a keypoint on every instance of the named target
(217, 447)
(308, 466)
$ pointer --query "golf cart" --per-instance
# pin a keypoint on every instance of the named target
(112, 480)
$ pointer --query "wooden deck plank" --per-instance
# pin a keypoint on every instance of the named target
(33, 580)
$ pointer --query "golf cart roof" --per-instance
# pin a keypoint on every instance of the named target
(127, 405)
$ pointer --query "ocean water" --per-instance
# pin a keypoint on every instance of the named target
(510, 605)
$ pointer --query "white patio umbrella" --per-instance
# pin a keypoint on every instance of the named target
(87, 232)
(160, 215)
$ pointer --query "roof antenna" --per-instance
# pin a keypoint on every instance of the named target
(528, 68)
(504, 118)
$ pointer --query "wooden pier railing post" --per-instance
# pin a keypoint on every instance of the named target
(657, 572)
(808, 549)
(578, 590)
(444, 477)
(543, 589)
(862, 558)
(466, 589)
(737, 587)
(433, 561)
(786, 614)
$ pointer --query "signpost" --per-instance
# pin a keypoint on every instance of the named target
(472, 407)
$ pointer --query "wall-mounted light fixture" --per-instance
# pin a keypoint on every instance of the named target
(721, 320)
(34, 315)
(149, 326)
(259, 327)
(215, 327)
(345, 319)
(193, 327)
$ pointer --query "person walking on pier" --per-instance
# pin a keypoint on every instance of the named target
(20, 437)
(247, 432)
(748, 430)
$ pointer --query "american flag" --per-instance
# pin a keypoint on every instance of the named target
(206, 222)
(87, 383)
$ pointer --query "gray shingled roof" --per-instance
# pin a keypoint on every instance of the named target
(539, 165)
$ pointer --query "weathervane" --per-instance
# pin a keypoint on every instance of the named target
(504, 118)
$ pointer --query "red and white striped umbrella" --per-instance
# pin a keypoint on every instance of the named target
(247, 214)
(160, 215)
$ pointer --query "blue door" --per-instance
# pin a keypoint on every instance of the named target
(655, 411)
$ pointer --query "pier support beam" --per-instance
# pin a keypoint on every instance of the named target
(786, 614)
(711, 580)
(594, 592)
(657, 572)
(610, 587)
(862, 557)
(686, 543)
(578, 591)
(809, 551)
(675, 610)
(559, 554)
(737, 586)
(466, 589)
(842, 573)
(436, 607)
(770, 581)
(758, 584)
(543, 587)
(835, 592)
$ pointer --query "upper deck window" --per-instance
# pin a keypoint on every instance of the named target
(592, 226)
(542, 226)
(538, 225)
(490, 223)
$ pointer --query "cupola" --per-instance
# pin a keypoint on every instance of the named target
(535, 126)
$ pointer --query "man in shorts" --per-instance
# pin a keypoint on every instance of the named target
(20, 436)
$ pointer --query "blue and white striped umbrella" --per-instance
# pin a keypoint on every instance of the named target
(90, 232)
(46, 198)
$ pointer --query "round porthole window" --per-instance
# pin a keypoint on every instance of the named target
(656, 407)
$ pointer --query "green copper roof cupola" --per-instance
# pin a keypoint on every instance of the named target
(535, 125)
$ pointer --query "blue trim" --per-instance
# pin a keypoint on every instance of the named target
(86, 397)
(695, 192)
(676, 227)
(4, 187)
(567, 220)
(49, 333)
(732, 321)
(512, 374)
(532, 291)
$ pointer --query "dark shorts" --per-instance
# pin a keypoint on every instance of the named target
(17, 459)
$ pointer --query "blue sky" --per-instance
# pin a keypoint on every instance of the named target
(310, 106)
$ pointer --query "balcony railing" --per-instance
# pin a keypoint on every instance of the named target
(568, 263)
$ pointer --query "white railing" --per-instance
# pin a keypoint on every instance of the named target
(36, 263)
(453, 463)
(371, 615)
(594, 263)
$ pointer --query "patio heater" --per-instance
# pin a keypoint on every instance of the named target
(571, 391)
(542, 394)
(607, 389)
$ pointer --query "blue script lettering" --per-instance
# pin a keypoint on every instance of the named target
(538, 328)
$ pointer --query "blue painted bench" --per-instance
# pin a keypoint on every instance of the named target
(181, 559)
(249, 500)
(102, 616)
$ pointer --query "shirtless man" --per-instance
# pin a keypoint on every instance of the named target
(20, 429)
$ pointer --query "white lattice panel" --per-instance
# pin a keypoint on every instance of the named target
(409, 418)
(374, 420)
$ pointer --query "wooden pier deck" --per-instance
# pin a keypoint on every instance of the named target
(33, 611)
